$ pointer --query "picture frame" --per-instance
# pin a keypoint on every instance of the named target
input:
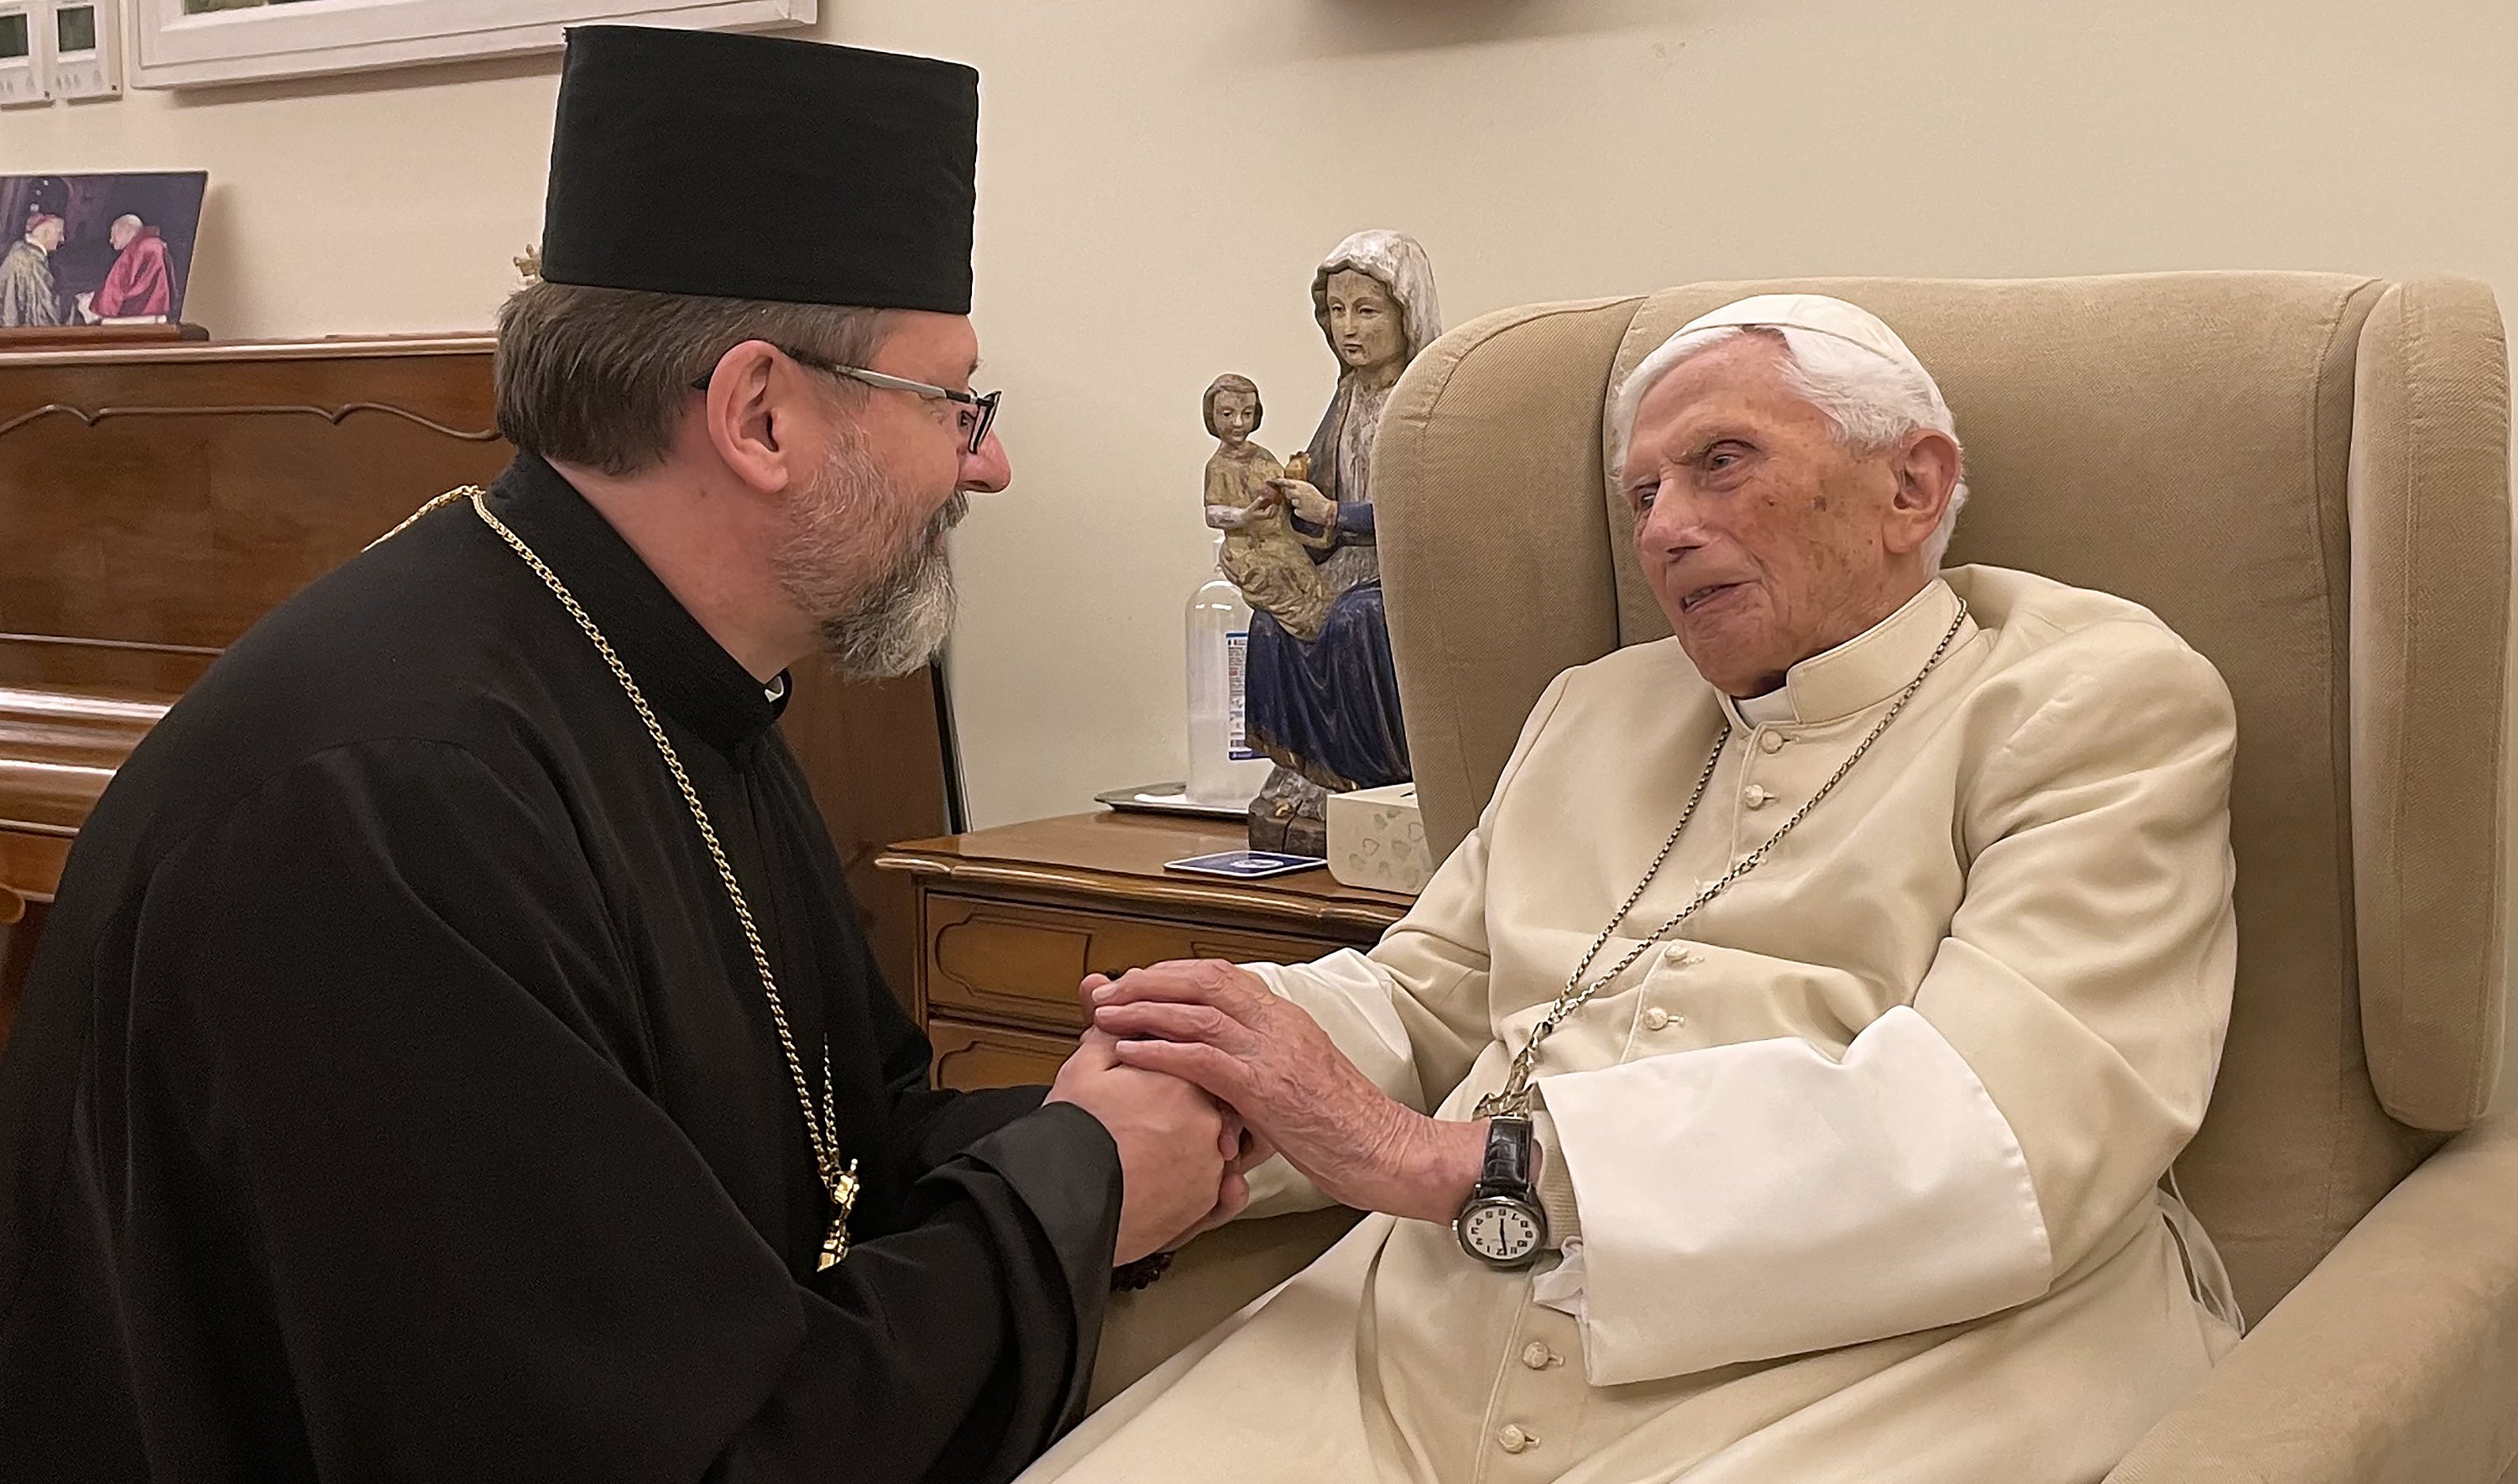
(203, 43)
(101, 255)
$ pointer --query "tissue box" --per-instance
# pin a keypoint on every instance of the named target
(1378, 839)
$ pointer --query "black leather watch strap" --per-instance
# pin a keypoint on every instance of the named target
(1509, 1169)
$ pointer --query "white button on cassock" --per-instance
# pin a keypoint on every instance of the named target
(1512, 1439)
(1757, 796)
(1538, 1357)
(1771, 742)
(1656, 1019)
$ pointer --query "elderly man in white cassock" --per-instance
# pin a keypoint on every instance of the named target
(1779, 1082)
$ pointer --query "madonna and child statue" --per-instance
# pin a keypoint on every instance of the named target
(1321, 693)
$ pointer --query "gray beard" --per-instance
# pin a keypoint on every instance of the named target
(897, 623)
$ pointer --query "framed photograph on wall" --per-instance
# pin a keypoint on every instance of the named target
(196, 43)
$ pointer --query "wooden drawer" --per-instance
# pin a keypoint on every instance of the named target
(970, 1056)
(1005, 961)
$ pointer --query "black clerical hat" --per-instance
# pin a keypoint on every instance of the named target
(758, 167)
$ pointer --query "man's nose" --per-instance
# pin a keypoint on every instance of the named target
(1670, 525)
(988, 470)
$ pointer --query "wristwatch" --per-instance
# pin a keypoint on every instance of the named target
(1503, 1224)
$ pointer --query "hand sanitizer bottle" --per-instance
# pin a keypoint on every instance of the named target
(1223, 766)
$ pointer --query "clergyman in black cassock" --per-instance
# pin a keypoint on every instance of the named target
(394, 1032)
(395, 1095)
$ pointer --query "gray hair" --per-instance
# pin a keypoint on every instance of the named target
(602, 377)
(1874, 402)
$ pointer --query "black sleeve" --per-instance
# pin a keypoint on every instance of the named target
(1063, 1170)
(378, 1102)
(933, 1125)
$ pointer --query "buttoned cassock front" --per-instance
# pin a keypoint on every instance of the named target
(1856, 1177)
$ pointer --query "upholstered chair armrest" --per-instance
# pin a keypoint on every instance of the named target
(2397, 1359)
(1210, 1281)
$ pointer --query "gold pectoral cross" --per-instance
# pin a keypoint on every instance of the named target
(843, 1197)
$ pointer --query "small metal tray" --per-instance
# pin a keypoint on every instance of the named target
(1168, 799)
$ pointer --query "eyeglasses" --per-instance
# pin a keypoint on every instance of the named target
(983, 405)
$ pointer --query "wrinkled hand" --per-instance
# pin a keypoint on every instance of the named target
(1219, 1027)
(1309, 503)
(1174, 1147)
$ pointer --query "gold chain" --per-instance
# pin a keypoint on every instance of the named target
(838, 1182)
(1514, 1096)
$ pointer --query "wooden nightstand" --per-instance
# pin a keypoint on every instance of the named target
(1010, 920)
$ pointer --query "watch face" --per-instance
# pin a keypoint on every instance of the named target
(1499, 1231)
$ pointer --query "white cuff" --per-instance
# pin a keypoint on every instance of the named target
(1745, 1202)
(1349, 995)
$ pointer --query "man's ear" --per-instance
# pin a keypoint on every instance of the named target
(750, 397)
(1926, 470)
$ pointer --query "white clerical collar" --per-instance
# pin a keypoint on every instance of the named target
(1773, 709)
(1863, 671)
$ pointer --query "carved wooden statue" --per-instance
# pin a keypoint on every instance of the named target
(1324, 705)
(1270, 561)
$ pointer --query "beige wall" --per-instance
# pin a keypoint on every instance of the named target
(1159, 176)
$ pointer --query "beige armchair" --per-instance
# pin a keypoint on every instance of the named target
(2307, 475)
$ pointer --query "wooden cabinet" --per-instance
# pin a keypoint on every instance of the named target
(1010, 920)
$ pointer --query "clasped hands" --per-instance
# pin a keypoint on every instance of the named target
(1277, 1083)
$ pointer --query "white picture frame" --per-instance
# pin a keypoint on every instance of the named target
(171, 48)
